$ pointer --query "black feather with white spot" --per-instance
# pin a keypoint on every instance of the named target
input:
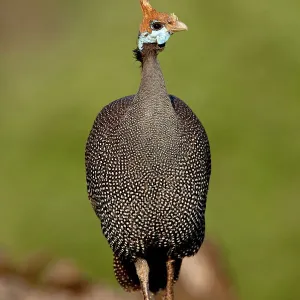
(147, 169)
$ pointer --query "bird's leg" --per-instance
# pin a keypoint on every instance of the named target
(170, 280)
(142, 270)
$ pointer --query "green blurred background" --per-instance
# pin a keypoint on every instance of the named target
(238, 67)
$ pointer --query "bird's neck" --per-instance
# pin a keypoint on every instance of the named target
(152, 93)
(152, 83)
(151, 113)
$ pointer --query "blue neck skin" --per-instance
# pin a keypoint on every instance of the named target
(160, 37)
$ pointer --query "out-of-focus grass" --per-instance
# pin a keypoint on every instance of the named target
(238, 67)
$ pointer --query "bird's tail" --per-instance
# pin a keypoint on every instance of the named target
(126, 275)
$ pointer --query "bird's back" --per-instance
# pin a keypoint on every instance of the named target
(147, 178)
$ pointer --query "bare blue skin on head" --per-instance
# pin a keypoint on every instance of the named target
(156, 36)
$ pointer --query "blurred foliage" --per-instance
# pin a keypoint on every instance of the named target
(238, 67)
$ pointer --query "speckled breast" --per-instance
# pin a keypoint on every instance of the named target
(148, 181)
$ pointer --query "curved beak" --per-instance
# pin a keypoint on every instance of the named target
(178, 26)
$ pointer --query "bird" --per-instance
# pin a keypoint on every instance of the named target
(148, 166)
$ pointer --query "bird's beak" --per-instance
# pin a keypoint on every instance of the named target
(178, 26)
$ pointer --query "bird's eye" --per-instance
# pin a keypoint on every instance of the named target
(156, 26)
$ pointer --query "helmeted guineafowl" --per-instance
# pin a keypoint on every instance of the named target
(147, 170)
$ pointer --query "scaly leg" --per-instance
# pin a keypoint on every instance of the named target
(142, 270)
(170, 280)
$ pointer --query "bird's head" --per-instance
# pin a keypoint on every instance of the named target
(157, 27)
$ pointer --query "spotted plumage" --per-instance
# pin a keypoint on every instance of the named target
(147, 169)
